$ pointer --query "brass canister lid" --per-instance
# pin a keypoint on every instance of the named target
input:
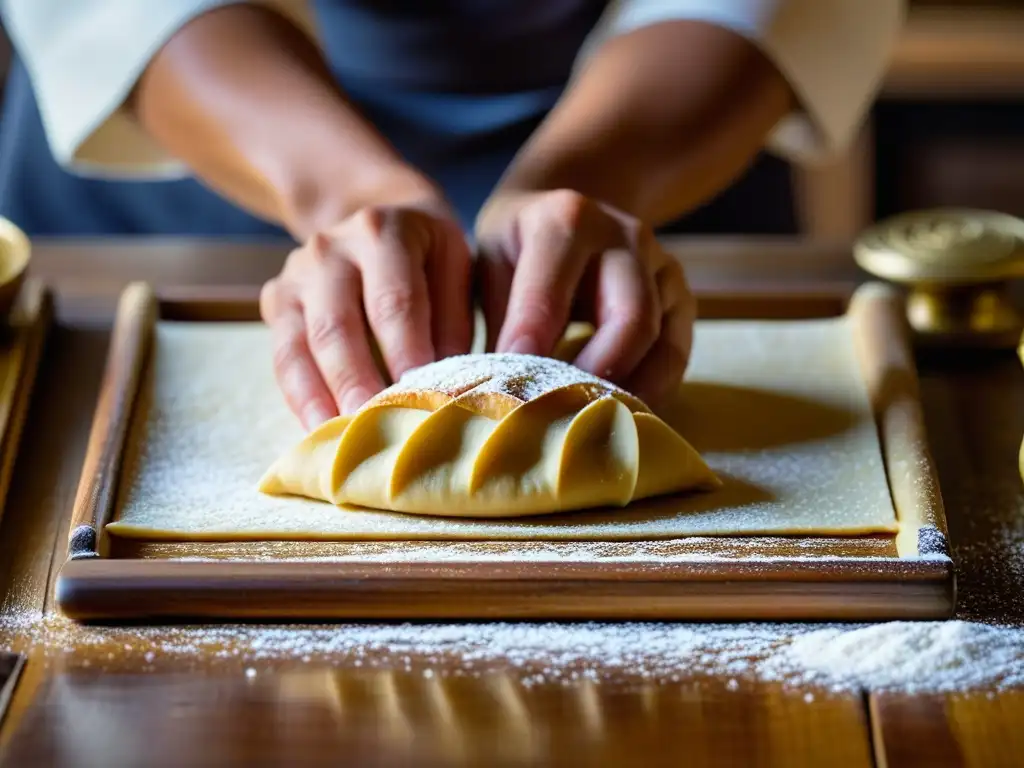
(944, 246)
(1020, 453)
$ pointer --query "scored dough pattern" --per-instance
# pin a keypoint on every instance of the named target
(491, 435)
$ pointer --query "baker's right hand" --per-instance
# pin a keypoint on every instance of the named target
(402, 270)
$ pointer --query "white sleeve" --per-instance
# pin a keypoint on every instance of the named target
(84, 58)
(834, 54)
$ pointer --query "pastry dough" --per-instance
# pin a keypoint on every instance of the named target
(779, 411)
(492, 435)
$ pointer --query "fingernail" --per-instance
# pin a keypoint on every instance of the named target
(525, 345)
(354, 399)
(314, 415)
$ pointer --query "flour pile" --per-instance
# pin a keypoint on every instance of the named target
(906, 656)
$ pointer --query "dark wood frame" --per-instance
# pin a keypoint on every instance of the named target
(11, 665)
(95, 584)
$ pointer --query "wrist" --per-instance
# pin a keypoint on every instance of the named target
(313, 202)
(590, 171)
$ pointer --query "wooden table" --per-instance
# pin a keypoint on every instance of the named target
(94, 697)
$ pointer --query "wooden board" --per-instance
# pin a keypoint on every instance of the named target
(960, 730)
(10, 668)
(381, 717)
(21, 347)
(861, 578)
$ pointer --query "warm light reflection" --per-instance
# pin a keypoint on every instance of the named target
(411, 714)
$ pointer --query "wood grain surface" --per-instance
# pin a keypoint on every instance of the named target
(93, 696)
(88, 275)
(401, 718)
(11, 665)
(961, 730)
(21, 350)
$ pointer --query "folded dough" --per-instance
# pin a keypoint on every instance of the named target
(492, 435)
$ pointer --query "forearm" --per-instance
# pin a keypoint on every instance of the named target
(660, 121)
(247, 101)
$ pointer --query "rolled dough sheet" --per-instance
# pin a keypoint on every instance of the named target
(778, 408)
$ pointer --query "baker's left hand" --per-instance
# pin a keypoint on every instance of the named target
(549, 257)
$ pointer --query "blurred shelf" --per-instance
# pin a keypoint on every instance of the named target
(959, 51)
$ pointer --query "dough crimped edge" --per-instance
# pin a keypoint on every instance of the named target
(490, 435)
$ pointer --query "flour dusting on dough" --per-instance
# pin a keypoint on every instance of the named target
(214, 420)
(523, 377)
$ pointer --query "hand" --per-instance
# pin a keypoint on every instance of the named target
(403, 270)
(550, 257)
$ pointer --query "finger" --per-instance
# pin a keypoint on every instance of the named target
(397, 304)
(628, 317)
(554, 251)
(337, 336)
(673, 288)
(448, 281)
(493, 276)
(679, 301)
(660, 372)
(295, 369)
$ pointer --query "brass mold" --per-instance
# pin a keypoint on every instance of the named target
(958, 266)
(15, 254)
(1020, 455)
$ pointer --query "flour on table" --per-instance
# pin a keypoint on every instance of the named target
(779, 411)
(914, 657)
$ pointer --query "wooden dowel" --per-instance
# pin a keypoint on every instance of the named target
(129, 346)
(882, 338)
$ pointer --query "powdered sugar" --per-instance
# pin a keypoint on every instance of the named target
(523, 377)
